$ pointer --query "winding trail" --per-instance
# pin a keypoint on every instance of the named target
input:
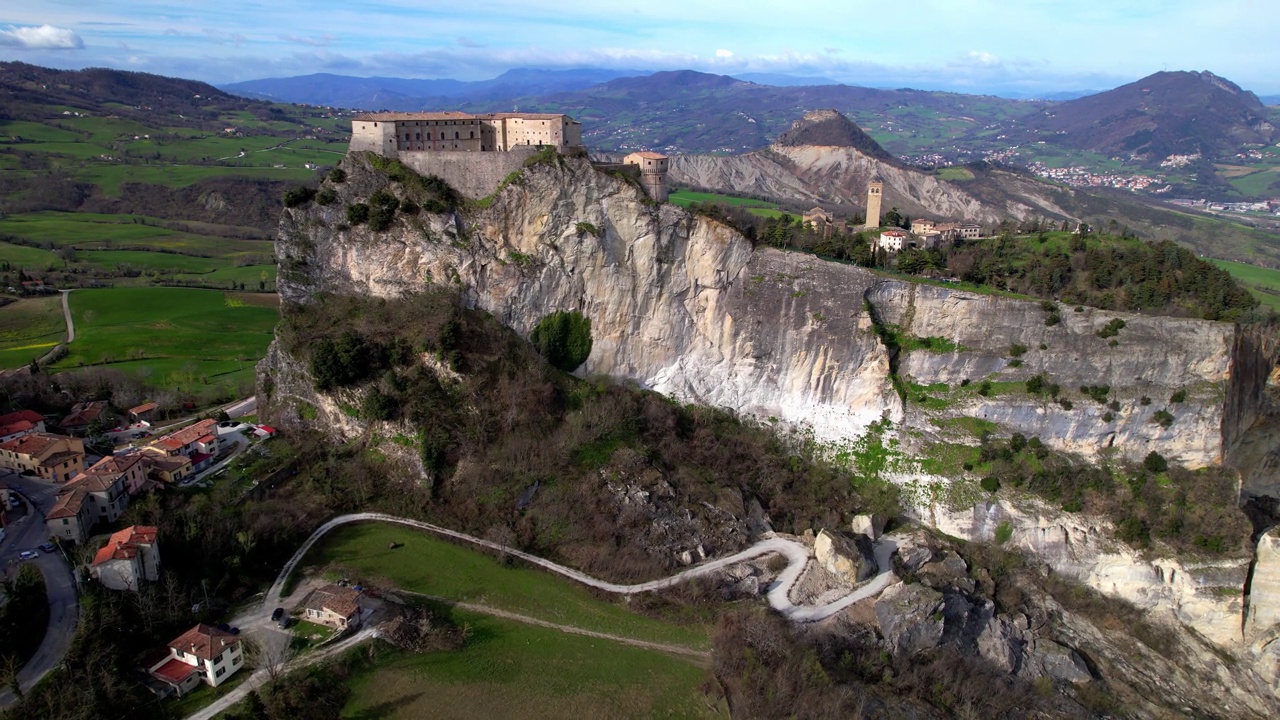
(66, 315)
(796, 554)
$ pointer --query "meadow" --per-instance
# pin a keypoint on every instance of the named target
(29, 328)
(426, 564)
(1264, 283)
(542, 672)
(685, 198)
(191, 340)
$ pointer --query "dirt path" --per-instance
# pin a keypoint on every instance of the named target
(66, 315)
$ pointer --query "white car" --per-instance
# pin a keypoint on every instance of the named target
(28, 555)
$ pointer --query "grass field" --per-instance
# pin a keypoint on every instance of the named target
(513, 670)
(91, 231)
(429, 565)
(955, 173)
(764, 208)
(176, 337)
(29, 328)
(1258, 279)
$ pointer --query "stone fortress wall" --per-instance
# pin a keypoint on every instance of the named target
(474, 174)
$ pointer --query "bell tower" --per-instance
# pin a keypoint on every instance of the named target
(875, 192)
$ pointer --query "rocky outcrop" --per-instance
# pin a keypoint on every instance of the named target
(1264, 589)
(910, 618)
(1205, 595)
(850, 560)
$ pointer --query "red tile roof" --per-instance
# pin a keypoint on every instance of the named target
(68, 505)
(648, 155)
(175, 441)
(125, 543)
(114, 464)
(204, 641)
(174, 671)
(84, 413)
(143, 408)
(30, 416)
(338, 599)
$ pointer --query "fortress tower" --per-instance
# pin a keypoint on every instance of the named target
(653, 172)
(875, 192)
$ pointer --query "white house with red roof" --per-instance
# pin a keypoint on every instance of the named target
(202, 653)
(17, 424)
(129, 557)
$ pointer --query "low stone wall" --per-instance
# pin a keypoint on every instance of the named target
(474, 174)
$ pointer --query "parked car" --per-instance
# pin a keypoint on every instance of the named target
(277, 614)
(284, 622)
(28, 555)
(49, 548)
(224, 627)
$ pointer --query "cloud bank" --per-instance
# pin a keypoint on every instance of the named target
(43, 37)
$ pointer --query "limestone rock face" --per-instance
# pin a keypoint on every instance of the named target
(1058, 662)
(910, 618)
(851, 560)
(1203, 595)
(1264, 589)
(871, 525)
(1152, 358)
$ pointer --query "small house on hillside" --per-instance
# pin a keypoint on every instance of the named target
(333, 605)
(17, 424)
(202, 653)
(85, 414)
(129, 557)
(143, 413)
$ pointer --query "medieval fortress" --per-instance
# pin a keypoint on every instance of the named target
(473, 153)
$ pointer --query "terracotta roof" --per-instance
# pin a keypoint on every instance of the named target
(114, 464)
(30, 416)
(32, 444)
(528, 116)
(648, 155)
(143, 408)
(96, 483)
(123, 544)
(204, 641)
(445, 115)
(894, 233)
(16, 427)
(175, 441)
(68, 505)
(84, 413)
(174, 671)
(338, 599)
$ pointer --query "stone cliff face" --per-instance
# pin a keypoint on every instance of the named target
(684, 305)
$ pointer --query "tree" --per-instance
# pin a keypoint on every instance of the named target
(893, 218)
(564, 339)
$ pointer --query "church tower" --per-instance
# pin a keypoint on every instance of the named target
(875, 191)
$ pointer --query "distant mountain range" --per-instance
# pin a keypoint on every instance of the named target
(386, 93)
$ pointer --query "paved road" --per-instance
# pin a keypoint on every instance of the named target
(797, 556)
(64, 608)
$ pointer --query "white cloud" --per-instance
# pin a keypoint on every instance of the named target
(982, 58)
(722, 53)
(43, 37)
(321, 41)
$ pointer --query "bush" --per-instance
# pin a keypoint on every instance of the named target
(1163, 418)
(326, 197)
(1155, 462)
(564, 339)
(1016, 350)
(408, 207)
(588, 229)
(1037, 384)
(990, 484)
(298, 196)
(1004, 531)
(1015, 363)
(357, 213)
(1097, 392)
(1179, 396)
(1111, 329)
(338, 175)
(985, 388)
(377, 405)
(1145, 400)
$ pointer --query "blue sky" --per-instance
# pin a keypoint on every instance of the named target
(1009, 47)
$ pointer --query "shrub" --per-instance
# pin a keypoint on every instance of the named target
(1004, 531)
(1145, 400)
(409, 207)
(965, 382)
(1036, 384)
(1065, 403)
(326, 197)
(1052, 319)
(563, 338)
(1044, 346)
(1155, 462)
(1163, 418)
(377, 405)
(1015, 363)
(990, 484)
(338, 175)
(1048, 306)
(1016, 350)
(299, 195)
(1097, 392)
(1108, 417)
(357, 213)
(588, 229)
(985, 388)
(1179, 396)
(1079, 308)
(1111, 329)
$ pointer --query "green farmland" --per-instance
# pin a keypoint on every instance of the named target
(507, 664)
(29, 328)
(763, 208)
(1264, 283)
(188, 339)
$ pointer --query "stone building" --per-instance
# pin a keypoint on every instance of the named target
(653, 172)
(129, 557)
(390, 134)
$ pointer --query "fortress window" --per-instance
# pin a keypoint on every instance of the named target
(455, 135)
(417, 136)
(472, 134)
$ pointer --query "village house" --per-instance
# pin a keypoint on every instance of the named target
(71, 516)
(143, 413)
(17, 424)
(891, 241)
(921, 226)
(52, 457)
(333, 605)
(202, 653)
(198, 442)
(127, 467)
(959, 231)
(819, 220)
(165, 469)
(85, 414)
(129, 557)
